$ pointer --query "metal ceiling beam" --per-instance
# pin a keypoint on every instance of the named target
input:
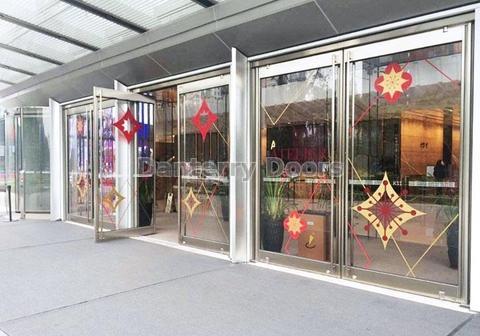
(48, 32)
(30, 54)
(6, 82)
(105, 15)
(205, 3)
(11, 68)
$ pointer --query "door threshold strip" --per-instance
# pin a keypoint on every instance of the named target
(369, 288)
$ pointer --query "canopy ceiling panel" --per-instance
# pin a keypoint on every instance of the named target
(351, 15)
(137, 70)
(298, 25)
(195, 54)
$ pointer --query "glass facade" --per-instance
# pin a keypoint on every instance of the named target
(369, 185)
(359, 162)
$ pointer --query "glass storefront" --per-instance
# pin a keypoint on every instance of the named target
(368, 187)
(359, 162)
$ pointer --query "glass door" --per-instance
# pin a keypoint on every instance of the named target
(79, 163)
(403, 224)
(32, 159)
(123, 165)
(204, 162)
(297, 164)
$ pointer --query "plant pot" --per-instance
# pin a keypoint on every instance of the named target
(272, 234)
(452, 243)
(145, 211)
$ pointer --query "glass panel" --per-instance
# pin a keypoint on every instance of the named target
(10, 171)
(148, 13)
(145, 179)
(79, 165)
(12, 76)
(296, 152)
(404, 156)
(126, 167)
(68, 20)
(166, 146)
(36, 161)
(23, 62)
(205, 157)
(109, 198)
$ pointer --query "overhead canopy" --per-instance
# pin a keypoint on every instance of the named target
(60, 49)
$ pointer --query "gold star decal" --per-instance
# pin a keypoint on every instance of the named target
(393, 83)
(294, 224)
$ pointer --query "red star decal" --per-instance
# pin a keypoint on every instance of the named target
(204, 126)
(393, 83)
(128, 125)
(294, 224)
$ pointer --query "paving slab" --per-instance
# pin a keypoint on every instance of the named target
(37, 278)
(242, 300)
(130, 287)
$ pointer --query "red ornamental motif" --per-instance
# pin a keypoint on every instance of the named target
(128, 125)
(205, 112)
(295, 225)
(393, 83)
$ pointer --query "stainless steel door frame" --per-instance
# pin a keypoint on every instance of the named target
(326, 60)
(400, 44)
(85, 107)
(202, 84)
(99, 96)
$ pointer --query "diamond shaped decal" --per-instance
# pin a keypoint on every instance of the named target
(386, 211)
(112, 199)
(191, 202)
(204, 125)
(82, 184)
(128, 125)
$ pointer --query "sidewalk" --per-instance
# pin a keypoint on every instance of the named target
(54, 280)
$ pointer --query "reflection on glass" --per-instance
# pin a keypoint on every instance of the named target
(109, 196)
(79, 169)
(204, 180)
(296, 150)
(36, 161)
(404, 158)
(145, 179)
(166, 146)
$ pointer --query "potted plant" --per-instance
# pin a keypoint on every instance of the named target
(145, 206)
(271, 227)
